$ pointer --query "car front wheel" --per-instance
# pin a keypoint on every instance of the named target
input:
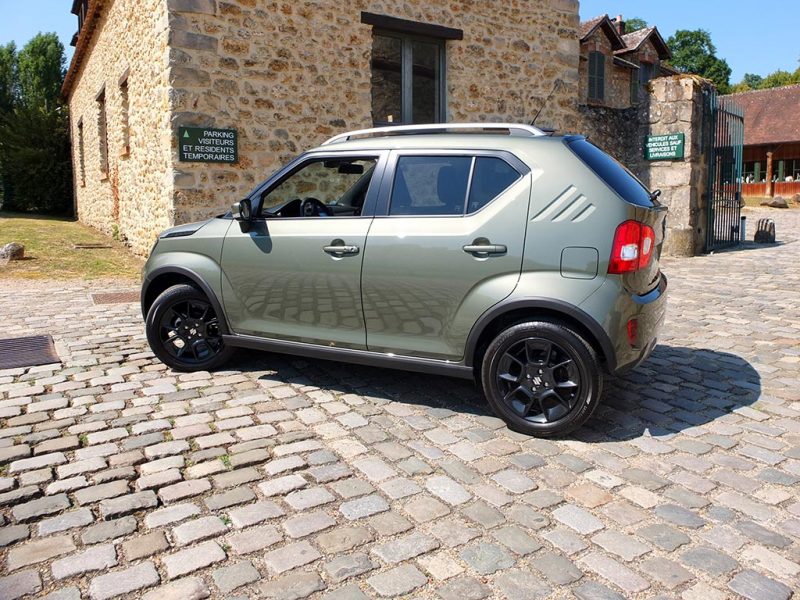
(541, 378)
(183, 330)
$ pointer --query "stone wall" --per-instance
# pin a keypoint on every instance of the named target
(668, 105)
(675, 105)
(133, 200)
(288, 75)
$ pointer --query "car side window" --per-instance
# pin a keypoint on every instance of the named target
(490, 178)
(327, 187)
(430, 185)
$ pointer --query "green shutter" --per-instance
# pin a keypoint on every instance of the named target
(597, 68)
(601, 76)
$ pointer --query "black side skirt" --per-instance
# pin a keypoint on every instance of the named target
(348, 355)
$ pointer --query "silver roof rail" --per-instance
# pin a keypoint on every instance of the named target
(518, 129)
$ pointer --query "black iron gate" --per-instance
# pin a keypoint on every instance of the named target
(724, 138)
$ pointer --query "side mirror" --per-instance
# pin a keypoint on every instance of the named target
(242, 211)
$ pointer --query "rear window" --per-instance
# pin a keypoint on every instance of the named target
(618, 178)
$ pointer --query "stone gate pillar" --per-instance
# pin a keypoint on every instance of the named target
(675, 105)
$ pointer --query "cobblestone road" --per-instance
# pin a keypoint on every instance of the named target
(284, 478)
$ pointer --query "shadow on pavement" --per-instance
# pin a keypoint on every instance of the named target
(675, 389)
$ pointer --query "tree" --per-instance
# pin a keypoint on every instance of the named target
(41, 71)
(777, 78)
(35, 165)
(694, 52)
(634, 24)
(9, 77)
(752, 80)
(780, 78)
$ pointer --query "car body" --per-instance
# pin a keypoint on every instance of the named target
(430, 242)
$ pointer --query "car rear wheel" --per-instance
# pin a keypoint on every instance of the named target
(541, 378)
(183, 330)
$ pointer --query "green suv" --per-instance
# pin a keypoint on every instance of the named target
(489, 251)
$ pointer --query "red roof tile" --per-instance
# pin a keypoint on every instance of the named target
(771, 116)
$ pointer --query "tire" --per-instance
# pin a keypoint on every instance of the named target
(183, 330)
(542, 378)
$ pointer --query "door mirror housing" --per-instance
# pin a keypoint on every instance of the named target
(242, 212)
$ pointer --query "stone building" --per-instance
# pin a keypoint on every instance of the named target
(615, 67)
(771, 153)
(287, 75)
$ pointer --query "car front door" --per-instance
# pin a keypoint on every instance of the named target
(295, 274)
(446, 244)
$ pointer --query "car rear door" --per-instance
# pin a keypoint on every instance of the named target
(446, 244)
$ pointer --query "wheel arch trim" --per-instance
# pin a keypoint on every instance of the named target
(197, 279)
(549, 304)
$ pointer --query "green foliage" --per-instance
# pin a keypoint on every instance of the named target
(752, 81)
(34, 149)
(694, 52)
(635, 24)
(780, 78)
(9, 77)
(777, 78)
(35, 162)
(41, 71)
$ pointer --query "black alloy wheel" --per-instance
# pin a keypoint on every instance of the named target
(189, 331)
(542, 378)
(184, 330)
(539, 380)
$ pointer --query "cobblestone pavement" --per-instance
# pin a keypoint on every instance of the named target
(285, 478)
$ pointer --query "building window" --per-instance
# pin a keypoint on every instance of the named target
(645, 74)
(597, 75)
(751, 172)
(102, 132)
(408, 79)
(81, 159)
(634, 85)
(126, 132)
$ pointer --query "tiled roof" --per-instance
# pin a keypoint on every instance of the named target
(587, 28)
(634, 40)
(770, 116)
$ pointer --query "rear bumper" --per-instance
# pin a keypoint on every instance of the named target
(649, 311)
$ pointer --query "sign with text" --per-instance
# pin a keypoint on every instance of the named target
(664, 147)
(205, 144)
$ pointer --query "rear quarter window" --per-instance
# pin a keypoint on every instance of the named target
(491, 177)
(616, 176)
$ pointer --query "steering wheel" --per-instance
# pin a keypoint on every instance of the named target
(312, 207)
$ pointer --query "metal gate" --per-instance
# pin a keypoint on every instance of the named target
(723, 133)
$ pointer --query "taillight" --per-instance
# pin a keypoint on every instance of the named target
(632, 248)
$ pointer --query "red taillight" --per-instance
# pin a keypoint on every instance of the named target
(633, 247)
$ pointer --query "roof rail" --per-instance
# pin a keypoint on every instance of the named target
(517, 129)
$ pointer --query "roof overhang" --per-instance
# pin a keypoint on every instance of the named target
(81, 44)
(638, 38)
